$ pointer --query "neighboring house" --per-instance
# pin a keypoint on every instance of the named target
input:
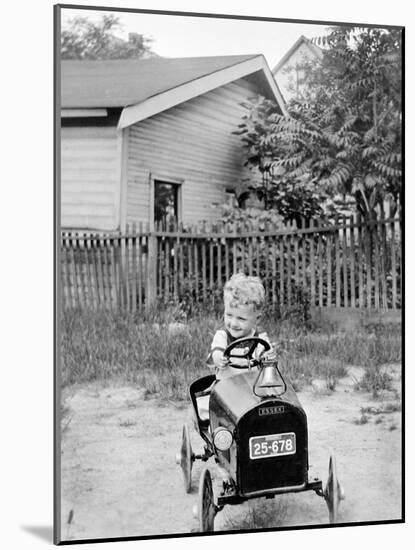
(144, 139)
(289, 71)
(289, 76)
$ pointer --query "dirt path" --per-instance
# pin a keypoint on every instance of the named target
(119, 476)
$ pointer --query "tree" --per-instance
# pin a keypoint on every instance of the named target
(293, 195)
(84, 39)
(343, 134)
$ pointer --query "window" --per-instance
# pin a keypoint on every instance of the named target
(166, 202)
(230, 198)
(235, 201)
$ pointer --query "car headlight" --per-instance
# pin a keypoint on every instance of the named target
(222, 438)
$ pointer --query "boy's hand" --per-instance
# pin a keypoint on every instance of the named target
(270, 355)
(221, 362)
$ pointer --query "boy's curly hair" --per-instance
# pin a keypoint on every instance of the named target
(244, 289)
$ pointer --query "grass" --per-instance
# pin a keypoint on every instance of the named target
(102, 346)
(325, 353)
(99, 346)
(362, 347)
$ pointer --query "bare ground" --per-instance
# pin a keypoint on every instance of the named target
(120, 479)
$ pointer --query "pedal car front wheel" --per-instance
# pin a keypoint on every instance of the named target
(206, 505)
(185, 459)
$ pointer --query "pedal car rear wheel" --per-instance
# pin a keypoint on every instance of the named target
(333, 491)
(206, 504)
(185, 459)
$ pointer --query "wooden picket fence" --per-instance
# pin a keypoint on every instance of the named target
(345, 263)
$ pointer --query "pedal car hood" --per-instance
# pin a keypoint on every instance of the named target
(235, 395)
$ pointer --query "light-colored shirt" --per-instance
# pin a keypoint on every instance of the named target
(221, 340)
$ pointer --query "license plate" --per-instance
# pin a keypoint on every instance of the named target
(268, 446)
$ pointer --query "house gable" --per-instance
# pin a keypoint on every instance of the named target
(191, 143)
(179, 94)
(303, 44)
(303, 49)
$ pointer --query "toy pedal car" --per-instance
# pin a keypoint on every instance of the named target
(256, 430)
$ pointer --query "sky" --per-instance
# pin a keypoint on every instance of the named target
(187, 36)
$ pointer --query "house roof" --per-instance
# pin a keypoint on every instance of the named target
(318, 52)
(146, 86)
(119, 83)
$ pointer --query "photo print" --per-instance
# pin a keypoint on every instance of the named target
(229, 209)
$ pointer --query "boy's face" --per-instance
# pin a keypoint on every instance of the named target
(240, 320)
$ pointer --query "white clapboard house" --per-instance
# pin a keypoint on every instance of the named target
(142, 138)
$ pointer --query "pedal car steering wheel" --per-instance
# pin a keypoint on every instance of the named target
(252, 342)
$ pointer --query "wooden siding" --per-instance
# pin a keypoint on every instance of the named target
(192, 142)
(90, 177)
(285, 79)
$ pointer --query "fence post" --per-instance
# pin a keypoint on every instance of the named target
(352, 261)
(151, 270)
(393, 265)
(312, 264)
(361, 260)
(141, 266)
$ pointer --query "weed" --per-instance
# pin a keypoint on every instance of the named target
(331, 383)
(375, 381)
(364, 419)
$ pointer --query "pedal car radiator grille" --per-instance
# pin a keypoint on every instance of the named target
(272, 472)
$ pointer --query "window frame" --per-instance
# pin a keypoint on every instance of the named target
(230, 197)
(165, 178)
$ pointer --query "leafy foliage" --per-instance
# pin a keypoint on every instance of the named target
(84, 39)
(342, 134)
(254, 217)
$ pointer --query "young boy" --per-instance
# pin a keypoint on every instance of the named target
(243, 300)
